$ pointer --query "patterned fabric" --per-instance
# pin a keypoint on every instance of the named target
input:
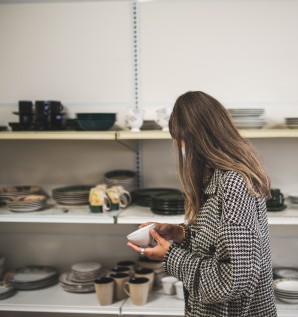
(225, 265)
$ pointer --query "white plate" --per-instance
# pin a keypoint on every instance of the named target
(86, 266)
(287, 285)
(287, 300)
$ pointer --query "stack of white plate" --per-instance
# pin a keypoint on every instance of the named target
(247, 118)
(75, 287)
(292, 123)
(293, 197)
(127, 179)
(27, 203)
(32, 277)
(286, 289)
(9, 192)
(85, 271)
(72, 195)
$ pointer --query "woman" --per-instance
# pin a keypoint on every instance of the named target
(222, 253)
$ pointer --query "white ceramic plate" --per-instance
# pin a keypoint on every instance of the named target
(286, 285)
(86, 266)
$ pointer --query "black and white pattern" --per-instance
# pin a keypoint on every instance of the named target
(225, 265)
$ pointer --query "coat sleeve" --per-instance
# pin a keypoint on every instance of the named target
(233, 270)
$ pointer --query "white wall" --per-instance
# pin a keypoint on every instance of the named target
(242, 52)
(80, 52)
(76, 52)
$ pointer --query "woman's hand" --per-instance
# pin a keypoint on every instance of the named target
(167, 231)
(156, 253)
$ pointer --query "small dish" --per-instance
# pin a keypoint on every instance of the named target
(142, 237)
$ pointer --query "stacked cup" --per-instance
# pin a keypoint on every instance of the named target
(103, 198)
(123, 281)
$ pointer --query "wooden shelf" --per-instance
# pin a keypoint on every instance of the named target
(58, 135)
(269, 133)
(143, 135)
(249, 133)
(128, 135)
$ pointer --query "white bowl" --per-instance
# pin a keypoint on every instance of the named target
(168, 285)
(142, 237)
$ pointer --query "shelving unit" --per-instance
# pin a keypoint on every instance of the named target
(55, 299)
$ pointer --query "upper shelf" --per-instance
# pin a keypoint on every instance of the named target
(58, 135)
(249, 133)
(128, 135)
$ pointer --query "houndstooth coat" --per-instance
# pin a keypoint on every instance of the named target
(225, 261)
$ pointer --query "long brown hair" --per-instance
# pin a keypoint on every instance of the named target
(211, 142)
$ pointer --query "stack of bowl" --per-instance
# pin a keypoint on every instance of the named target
(96, 121)
(292, 123)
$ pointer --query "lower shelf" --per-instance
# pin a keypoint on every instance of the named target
(157, 304)
(55, 300)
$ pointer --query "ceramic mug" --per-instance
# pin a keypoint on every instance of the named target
(98, 200)
(117, 197)
(137, 288)
(124, 195)
(148, 273)
(104, 288)
(128, 264)
(119, 279)
(277, 198)
(120, 269)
